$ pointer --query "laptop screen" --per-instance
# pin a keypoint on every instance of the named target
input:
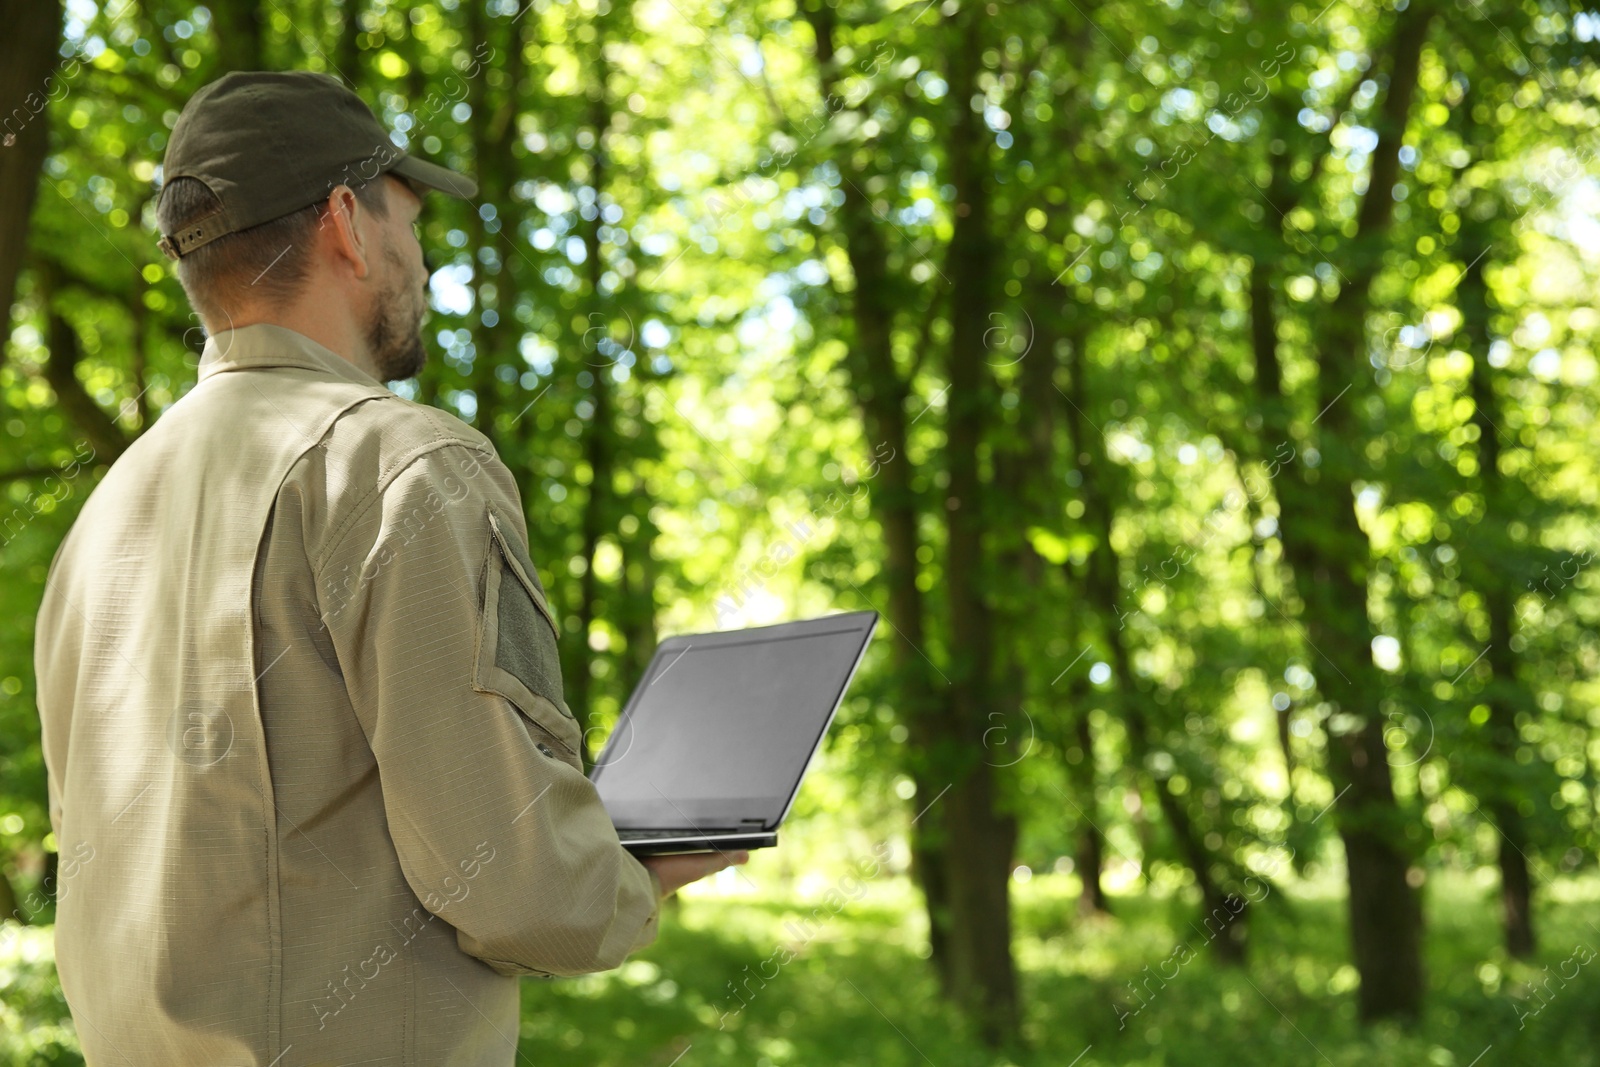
(721, 727)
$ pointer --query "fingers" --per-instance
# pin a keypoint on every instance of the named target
(678, 871)
(721, 861)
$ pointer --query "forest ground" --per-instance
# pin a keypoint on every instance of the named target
(840, 981)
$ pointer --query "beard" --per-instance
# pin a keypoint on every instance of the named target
(394, 324)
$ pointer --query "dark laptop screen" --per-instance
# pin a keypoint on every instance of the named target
(722, 726)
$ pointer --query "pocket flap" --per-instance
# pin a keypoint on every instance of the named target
(517, 655)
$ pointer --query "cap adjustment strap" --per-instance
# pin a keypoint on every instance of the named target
(203, 231)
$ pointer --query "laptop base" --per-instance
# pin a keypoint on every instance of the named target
(691, 843)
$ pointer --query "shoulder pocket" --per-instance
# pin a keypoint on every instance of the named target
(517, 655)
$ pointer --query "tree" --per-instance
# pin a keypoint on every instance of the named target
(1329, 556)
(26, 87)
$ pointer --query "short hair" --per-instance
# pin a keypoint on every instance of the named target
(270, 260)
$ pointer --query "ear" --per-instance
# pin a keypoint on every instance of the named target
(347, 232)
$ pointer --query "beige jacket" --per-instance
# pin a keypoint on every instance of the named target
(314, 784)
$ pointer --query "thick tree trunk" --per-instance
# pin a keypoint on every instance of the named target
(1329, 556)
(881, 393)
(1385, 910)
(1327, 553)
(28, 81)
(981, 836)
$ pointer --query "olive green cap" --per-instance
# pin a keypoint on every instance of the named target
(270, 143)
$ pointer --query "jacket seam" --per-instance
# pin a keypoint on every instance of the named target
(386, 476)
(272, 842)
(385, 480)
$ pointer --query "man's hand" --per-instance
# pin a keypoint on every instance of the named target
(676, 872)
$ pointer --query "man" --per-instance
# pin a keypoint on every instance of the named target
(301, 704)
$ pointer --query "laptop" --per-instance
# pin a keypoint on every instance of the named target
(709, 752)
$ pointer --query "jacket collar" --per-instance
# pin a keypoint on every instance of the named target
(265, 345)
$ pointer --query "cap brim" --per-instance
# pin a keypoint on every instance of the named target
(436, 177)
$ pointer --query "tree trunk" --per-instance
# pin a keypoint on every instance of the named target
(636, 614)
(8, 903)
(1385, 910)
(1329, 555)
(1326, 551)
(1090, 850)
(493, 128)
(346, 49)
(599, 448)
(238, 25)
(981, 836)
(1506, 694)
(87, 418)
(1025, 473)
(881, 394)
(1056, 328)
(28, 79)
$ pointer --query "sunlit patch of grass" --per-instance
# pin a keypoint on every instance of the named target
(858, 991)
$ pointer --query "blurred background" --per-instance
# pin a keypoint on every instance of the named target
(1202, 391)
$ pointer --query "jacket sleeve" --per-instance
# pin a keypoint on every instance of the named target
(448, 647)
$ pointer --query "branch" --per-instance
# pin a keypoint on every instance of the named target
(60, 370)
(779, 116)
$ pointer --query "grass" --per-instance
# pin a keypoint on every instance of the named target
(758, 981)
